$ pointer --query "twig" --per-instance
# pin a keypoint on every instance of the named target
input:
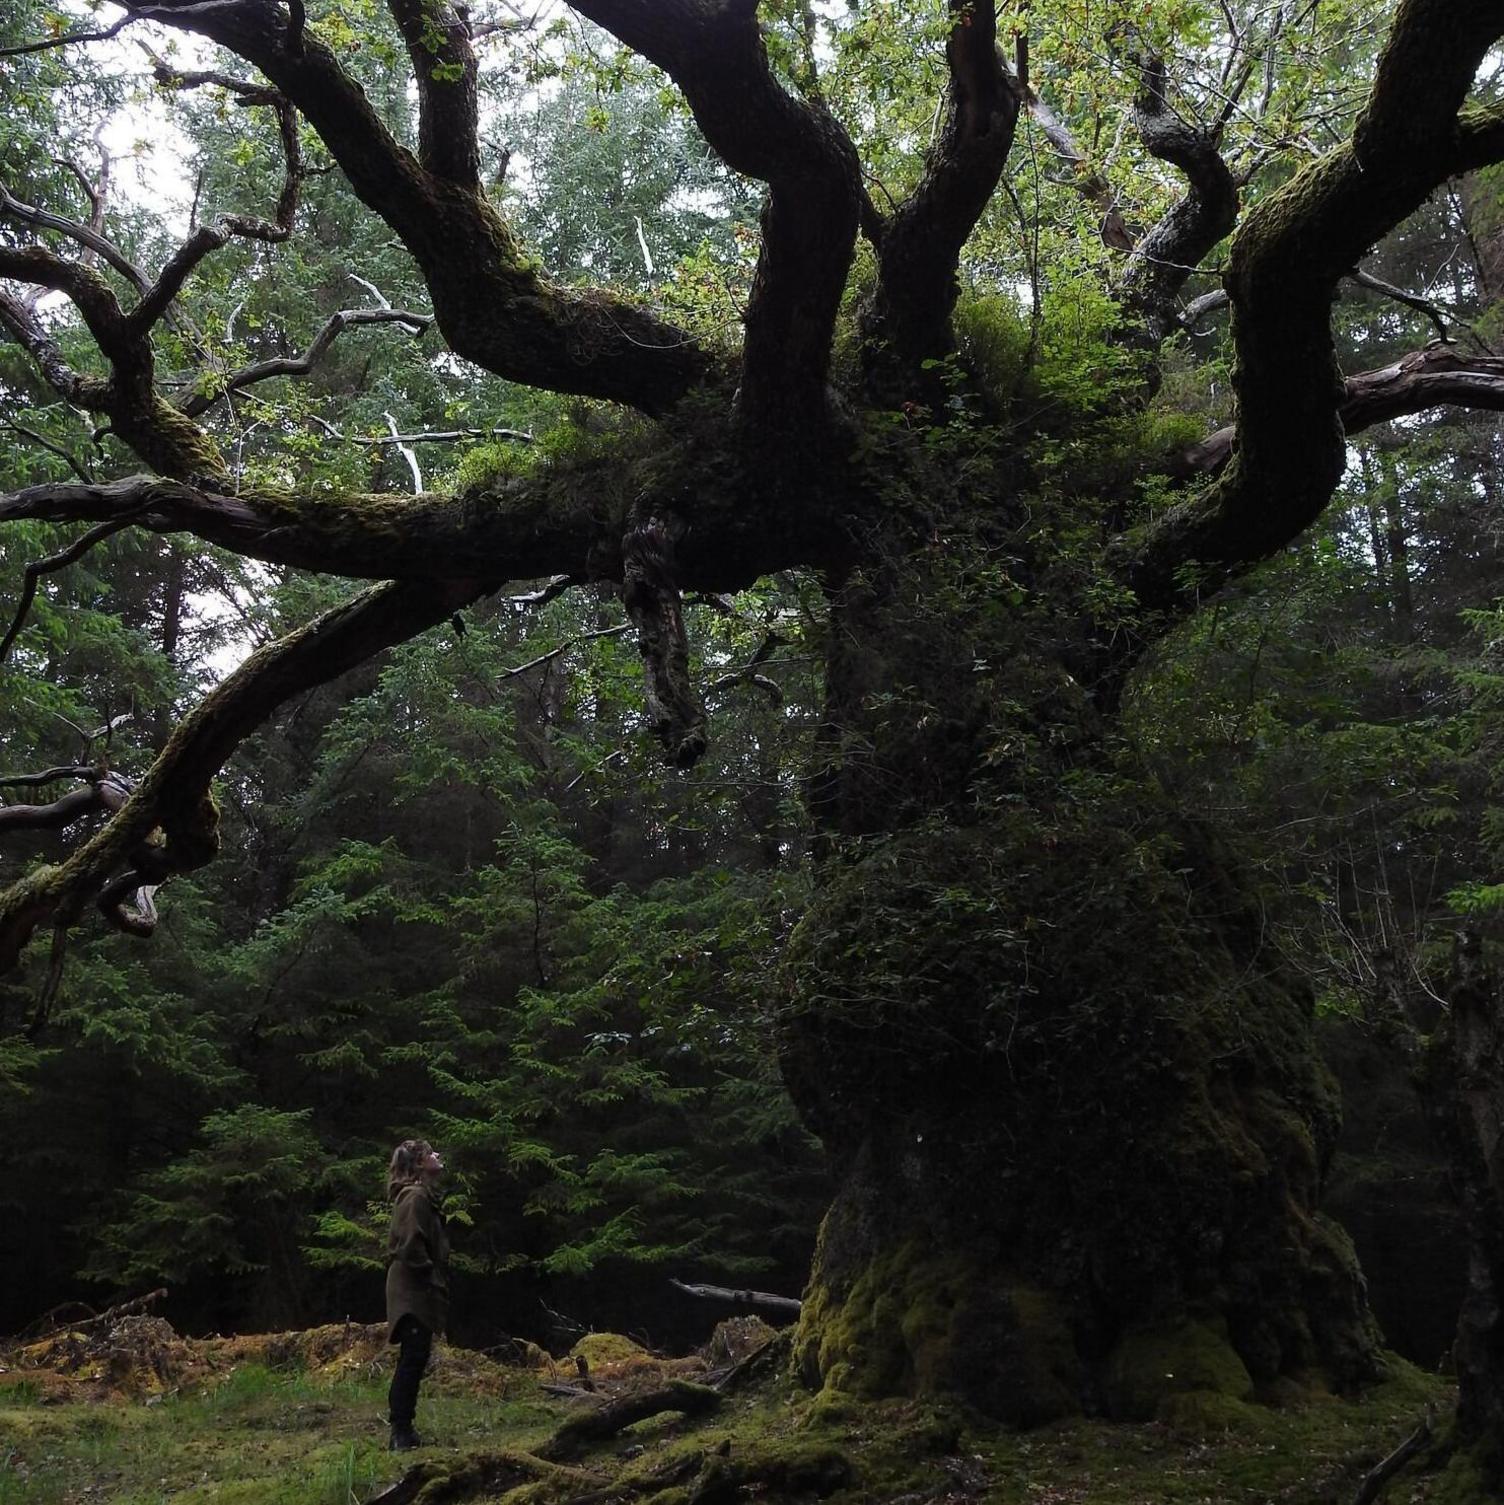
(564, 647)
(76, 466)
(70, 37)
(34, 571)
(788, 1304)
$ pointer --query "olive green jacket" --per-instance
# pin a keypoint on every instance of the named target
(417, 1262)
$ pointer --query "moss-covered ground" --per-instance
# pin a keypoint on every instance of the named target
(302, 1434)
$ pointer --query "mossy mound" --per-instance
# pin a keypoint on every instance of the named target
(1151, 1366)
(134, 1357)
(598, 1349)
(915, 1323)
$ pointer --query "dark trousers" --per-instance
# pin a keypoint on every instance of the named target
(412, 1360)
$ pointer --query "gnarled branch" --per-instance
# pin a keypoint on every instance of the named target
(714, 51)
(1286, 259)
(1165, 257)
(302, 365)
(174, 796)
(489, 300)
(908, 319)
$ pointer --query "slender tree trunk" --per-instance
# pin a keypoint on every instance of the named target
(1462, 1084)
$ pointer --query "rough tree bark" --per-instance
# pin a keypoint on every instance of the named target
(1075, 1107)
(1461, 1079)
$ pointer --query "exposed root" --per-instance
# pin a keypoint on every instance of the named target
(603, 1422)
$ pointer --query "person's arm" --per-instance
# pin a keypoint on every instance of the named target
(412, 1232)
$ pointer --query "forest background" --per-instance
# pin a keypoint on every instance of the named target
(459, 894)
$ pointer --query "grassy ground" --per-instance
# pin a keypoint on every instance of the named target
(264, 1435)
(257, 1435)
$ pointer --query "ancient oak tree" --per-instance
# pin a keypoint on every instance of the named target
(1077, 1121)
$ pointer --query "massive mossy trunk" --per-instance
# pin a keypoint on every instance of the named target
(1077, 1117)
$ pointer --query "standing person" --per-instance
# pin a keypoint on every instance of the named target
(417, 1278)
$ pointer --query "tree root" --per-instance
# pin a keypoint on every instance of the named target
(694, 1478)
(603, 1422)
(432, 1483)
(1372, 1484)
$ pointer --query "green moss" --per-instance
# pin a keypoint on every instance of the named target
(1204, 1413)
(1149, 1366)
(924, 1322)
(605, 1348)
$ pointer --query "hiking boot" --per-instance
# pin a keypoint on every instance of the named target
(404, 1440)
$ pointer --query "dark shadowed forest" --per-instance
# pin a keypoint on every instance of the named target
(855, 648)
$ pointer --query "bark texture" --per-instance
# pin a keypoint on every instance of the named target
(1462, 1082)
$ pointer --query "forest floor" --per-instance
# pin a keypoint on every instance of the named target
(139, 1416)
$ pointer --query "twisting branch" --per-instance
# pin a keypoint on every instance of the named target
(162, 436)
(197, 402)
(1166, 256)
(207, 239)
(103, 791)
(492, 305)
(89, 236)
(908, 319)
(650, 593)
(714, 51)
(20, 319)
(53, 562)
(170, 824)
(1288, 256)
(1438, 376)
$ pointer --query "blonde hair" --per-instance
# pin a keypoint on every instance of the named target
(406, 1168)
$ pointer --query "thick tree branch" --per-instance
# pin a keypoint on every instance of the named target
(489, 300)
(21, 320)
(908, 319)
(1438, 376)
(714, 51)
(1286, 260)
(438, 42)
(650, 593)
(162, 436)
(1170, 252)
(174, 798)
(377, 537)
